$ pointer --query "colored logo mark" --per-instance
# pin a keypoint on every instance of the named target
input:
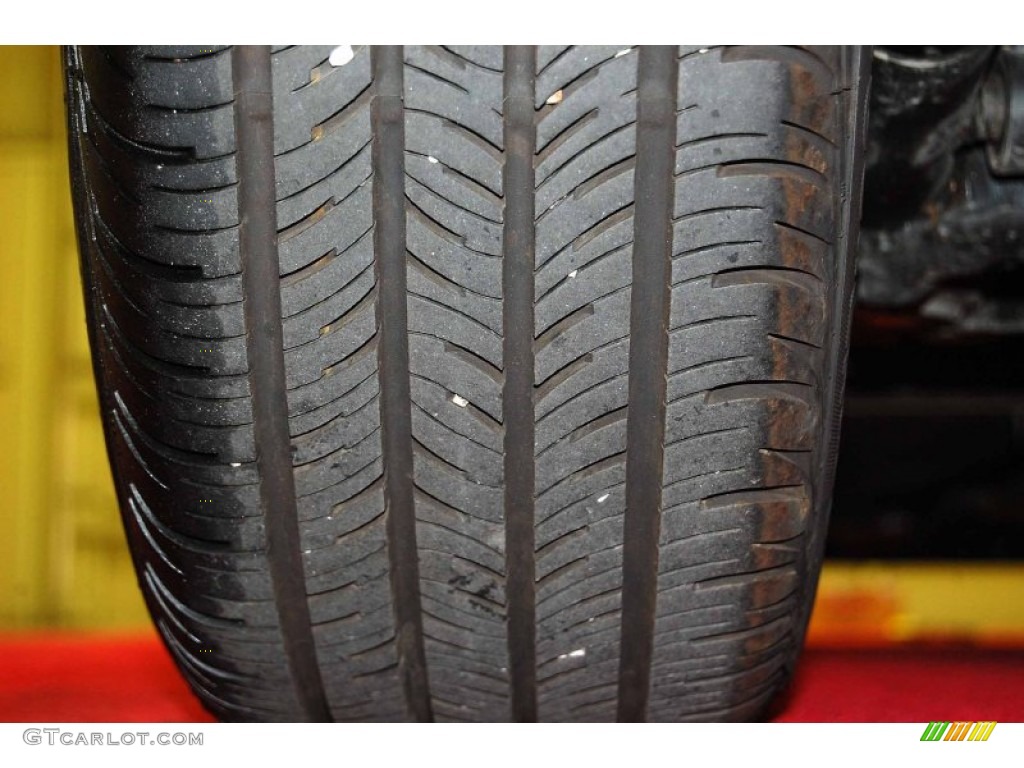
(958, 731)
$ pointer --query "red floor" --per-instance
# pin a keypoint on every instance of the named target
(75, 678)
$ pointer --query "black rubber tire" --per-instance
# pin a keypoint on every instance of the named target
(471, 383)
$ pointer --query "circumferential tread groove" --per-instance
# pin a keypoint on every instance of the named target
(396, 419)
(517, 271)
(648, 364)
(257, 238)
(471, 383)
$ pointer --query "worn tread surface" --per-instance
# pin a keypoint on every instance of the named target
(458, 237)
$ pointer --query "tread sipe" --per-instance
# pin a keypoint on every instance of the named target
(468, 383)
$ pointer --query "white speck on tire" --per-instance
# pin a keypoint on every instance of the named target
(602, 499)
(431, 159)
(341, 56)
(555, 98)
(460, 401)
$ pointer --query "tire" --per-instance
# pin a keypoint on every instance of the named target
(470, 383)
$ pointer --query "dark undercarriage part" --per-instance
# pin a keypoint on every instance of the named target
(944, 187)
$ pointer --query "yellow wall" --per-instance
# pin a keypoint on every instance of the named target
(63, 561)
(885, 603)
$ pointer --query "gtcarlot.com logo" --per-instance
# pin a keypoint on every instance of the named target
(959, 731)
(70, 738)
